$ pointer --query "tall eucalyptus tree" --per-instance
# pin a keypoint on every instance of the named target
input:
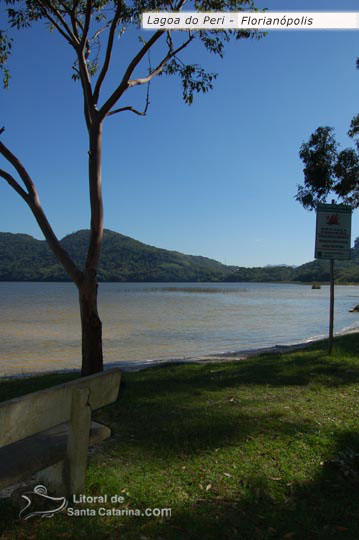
(84, 25)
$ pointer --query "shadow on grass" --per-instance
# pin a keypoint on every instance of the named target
(166, 435)
(171, 428)
(166, 415)
(186, 409)
(312, 365)
(324, 508)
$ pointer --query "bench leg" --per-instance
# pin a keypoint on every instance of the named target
(52, 477)
(78, 442)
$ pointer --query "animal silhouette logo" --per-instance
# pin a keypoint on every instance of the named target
(39, 503)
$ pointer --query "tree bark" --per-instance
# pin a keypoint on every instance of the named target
(91, 327)
(96, 205)
(92, 355)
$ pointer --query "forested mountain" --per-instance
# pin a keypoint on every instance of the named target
(23, 258)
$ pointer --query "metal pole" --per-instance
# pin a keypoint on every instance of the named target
(331, 309)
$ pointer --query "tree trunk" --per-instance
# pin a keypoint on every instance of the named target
(92, 356)
(91, 326)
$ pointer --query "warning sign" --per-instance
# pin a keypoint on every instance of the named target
(333, 232)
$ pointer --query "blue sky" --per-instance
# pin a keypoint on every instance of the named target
(217, 178)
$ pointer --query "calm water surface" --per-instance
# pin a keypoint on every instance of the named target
(40, 325)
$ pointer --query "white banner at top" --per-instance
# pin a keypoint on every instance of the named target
(251, 20)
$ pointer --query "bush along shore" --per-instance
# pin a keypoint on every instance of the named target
(263, 448)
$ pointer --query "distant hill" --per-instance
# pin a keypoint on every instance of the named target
(23, 258)
(315, 271)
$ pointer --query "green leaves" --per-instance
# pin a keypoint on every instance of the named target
(327, 170)
(76, 24)
(346, 171)
(215, 44)
(194, 78)
(319, 155)
(354, 130)
(5, 48)
(23, 17)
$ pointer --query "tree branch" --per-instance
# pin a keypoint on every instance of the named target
(78, 45)
(131, 67)
(87, 24)
(12, 182)
(69, 36)
(123, 86)
(72, 270)
(25, 177)
(99, 31)
(89, 109)
(33, 201)
(108, 53)
(74, 21)
(179, 6)
(161, 65)
(86, 88)
(132, 109)
(144, 80)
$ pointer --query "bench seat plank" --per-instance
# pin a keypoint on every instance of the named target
(39, 411)
(18, 461)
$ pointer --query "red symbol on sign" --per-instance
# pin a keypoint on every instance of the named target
(333, 220)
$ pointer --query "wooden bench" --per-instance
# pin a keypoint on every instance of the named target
(48, 432)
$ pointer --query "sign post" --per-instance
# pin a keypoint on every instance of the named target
(331, 308)
(332, 241)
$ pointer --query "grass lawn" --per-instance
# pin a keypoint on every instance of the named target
(263, 448)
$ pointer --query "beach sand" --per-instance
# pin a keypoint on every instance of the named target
(205, 359)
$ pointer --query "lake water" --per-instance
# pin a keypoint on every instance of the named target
(40, 324)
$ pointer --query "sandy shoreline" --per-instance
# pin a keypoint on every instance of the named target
(204, 359)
